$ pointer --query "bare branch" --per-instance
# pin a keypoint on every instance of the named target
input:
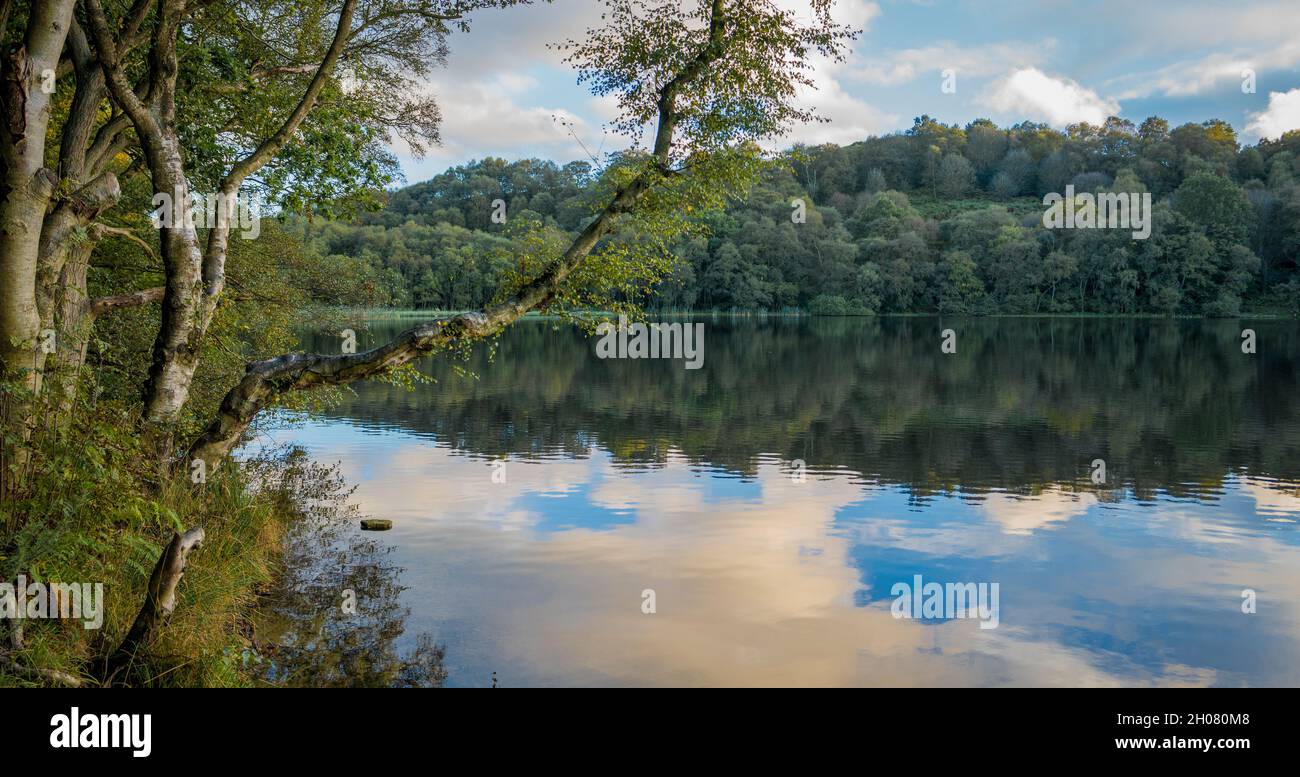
(105, 229)
(283, 70)
(102, 305)
(35, 673)
(8, 661)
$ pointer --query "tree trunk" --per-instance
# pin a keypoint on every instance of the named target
(72, 324)
(75, 319)
(159, 602)
(195, 276)
(68, 239)
(184, 322)
(26, 186)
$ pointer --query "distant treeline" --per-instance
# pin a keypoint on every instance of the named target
(936, 219)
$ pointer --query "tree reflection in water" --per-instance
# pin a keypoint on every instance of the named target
(333, 616)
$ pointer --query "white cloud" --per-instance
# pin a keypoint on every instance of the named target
(856, 13)
(1213, 71)
(1281, 115)
(498, 115)
(1262, 36)
(850, 118)
(1206, 24)
(1187, 79)
(1031, 93)
(493, 103)
(900, 67)
(1023, 515)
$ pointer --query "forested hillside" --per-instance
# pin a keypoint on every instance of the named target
(937, 219)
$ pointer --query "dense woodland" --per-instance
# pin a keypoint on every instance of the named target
(936, 219)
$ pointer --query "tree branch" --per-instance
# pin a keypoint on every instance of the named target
(35, 673)
(132, 104)
(8, 661)
(105, 229)
(272, 145)
(214, 258)
(102, 305)
(109, 141)
(266, 379)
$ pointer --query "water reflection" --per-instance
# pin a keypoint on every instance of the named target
(333, 617)
(626, 476)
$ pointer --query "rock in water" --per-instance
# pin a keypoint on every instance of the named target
(376, 524)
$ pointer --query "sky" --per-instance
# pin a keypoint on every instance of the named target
(505, 93)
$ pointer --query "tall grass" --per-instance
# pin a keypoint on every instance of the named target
(98, 512)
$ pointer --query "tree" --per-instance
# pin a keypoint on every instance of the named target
(867, 287)
(876, 181)
(720, 76)
(729, 282)
(1055, 171)
(1178, 264)
(28, 187)
(961, 290)
(195, 97)
(956, 177)
(1015, 175)
(882, 215)
(196, 271)
(1217, 205)
(1058, 269)
(986, 145)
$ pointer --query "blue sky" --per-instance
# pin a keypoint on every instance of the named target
(505, 93)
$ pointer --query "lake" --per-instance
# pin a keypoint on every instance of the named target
(563, 519)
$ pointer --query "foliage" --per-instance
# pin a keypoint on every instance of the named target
(1225, 240)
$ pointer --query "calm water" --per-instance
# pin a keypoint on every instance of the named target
(622, 476)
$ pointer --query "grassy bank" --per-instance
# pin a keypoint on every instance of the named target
(97, 513)
(259, 601)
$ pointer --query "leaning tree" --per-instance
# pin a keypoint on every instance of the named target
(292, 100)
(708, 83)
